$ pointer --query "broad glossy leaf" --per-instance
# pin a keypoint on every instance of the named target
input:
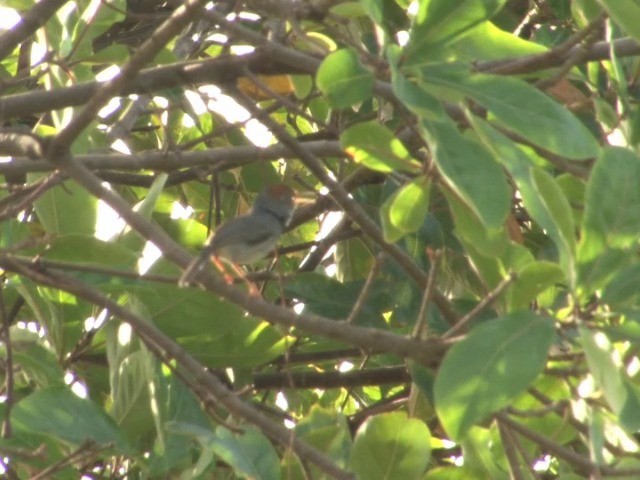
(611, 218)
(490, 367)
(37, 363)
(200, 313)
(250, 454)
(328, 431)
(441, 21)
(410, 205)
(87, 249)
(59, 413)
(66, 209)
(333, 299)
(148, 204)
(471, 172)
(625, 14)
(246, 342)
(551, 211)
(623, 397)
(132, 381)
(176, 404)
(390, 232)
(343, 79)
(377, 148)
(521, 108)
(390, 446)
(480, 461)
(416, 98)
(532, 280)
(623, 288)
(488, 42)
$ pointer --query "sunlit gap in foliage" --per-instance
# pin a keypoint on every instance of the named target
(328, 223)
(33, 327)
(543, 464)
(8, 18)
(108, 223)
(228, 108)
(282, 403)
(74, 382)
(93, 323)
(345, 366)
(106, 75)
(124, 334)
(617, 138)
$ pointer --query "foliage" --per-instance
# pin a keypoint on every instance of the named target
(458, 297)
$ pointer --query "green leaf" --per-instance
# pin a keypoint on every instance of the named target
(328, 431)
(390, 446)
(488, 42)
(545, 202)
(625, 14)
(490, 367)
(611, 217)
(532, 280)
(410, 204)
(200, 313)
(250, 454)
(57, 412)
(37, 363)
(623, 397)
(177, 405)
(416, 98)
(623, 288)
(331, 298)
(377, 148)
(249, 342)
(556, 202)
(66, 209)
(480, 461)
(146, 206)
(521, 108)
(87, 249)
(471, 172)
(343, 79)
(390, 232)
(441, 21)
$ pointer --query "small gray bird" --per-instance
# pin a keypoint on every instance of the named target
(248, 238)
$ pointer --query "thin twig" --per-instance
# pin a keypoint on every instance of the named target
(364, 293)
(8, 364)
(510, 452)
(218, 159)
(85, 450)
(580, 462)
(420, 329)
(484, 303)
(581, 40)
(162, 346)
(45, 184)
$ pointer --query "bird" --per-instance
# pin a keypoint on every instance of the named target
(248, 238)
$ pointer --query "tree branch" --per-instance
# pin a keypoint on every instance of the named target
(162, 345)
(30, 21)
(217, 159)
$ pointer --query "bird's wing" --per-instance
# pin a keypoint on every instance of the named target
(250, 229)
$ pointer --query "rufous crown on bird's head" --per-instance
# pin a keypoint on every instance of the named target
(279, 191)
